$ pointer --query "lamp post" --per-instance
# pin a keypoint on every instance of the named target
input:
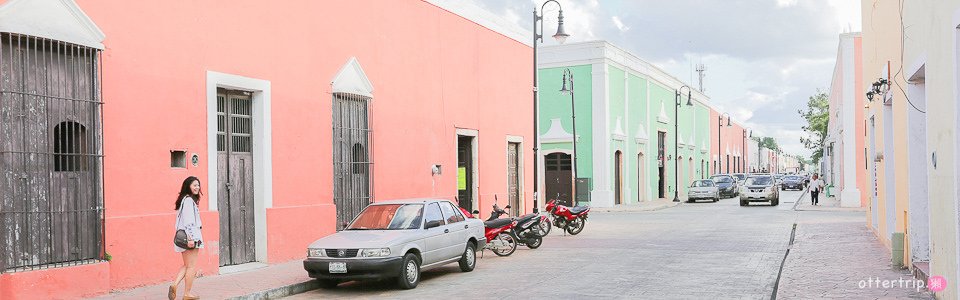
(560, 36)
(720, 140)
(568, 75)
(676, 139)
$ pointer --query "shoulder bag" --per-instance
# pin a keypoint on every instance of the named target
(180, 238)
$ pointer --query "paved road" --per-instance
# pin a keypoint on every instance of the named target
(695, 250)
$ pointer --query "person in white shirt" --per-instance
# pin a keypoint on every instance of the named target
(816, 185)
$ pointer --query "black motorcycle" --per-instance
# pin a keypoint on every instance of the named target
(528, 228)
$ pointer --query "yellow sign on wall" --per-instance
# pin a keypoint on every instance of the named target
(462, 178)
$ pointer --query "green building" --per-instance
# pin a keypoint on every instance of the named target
(625, 118)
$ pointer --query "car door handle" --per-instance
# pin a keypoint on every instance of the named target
(446, 231)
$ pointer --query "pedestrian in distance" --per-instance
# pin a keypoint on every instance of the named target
(188, 220)
(816, 185)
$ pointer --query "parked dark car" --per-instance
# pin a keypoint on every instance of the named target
(792, 182)
(727, 185)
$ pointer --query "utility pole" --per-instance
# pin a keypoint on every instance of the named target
(700, 69)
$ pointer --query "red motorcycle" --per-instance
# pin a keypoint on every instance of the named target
(573, 219)
(499, 233)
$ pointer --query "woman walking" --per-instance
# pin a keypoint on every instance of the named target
(188, 220)
(816, 185)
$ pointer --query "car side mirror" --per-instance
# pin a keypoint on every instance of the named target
(431, 224)
(476, 212)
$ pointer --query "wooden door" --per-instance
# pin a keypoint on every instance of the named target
(513, 176)
(352, 164)
(618, 178)
(558, 178)
(465, 172)
(235, 177)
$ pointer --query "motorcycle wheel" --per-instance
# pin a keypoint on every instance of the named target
(511, 245)
(544, 228)
(575, 226)
(534, 242)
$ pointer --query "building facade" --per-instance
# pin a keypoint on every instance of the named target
(291, 128)
(843, 159)
(628, 149)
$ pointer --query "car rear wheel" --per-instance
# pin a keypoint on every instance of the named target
(409, 272)
(743, 203)
(468, 260)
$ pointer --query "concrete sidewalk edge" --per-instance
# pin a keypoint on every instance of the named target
(283, 291)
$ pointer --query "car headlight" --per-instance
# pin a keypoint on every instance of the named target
(315, 253)
(379, 252)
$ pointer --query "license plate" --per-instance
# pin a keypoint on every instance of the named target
(338, 267)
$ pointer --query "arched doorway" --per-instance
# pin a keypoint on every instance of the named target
(618, 177)
(558, 178)
(690, 176)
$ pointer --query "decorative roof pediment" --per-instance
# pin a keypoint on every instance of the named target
(728, 149)
(352, 80)
(556, 133)
(690, 143)
(60, 20)
(641, 136)
(680, 139)
(663, 118)
(703, 147)
(618, 133)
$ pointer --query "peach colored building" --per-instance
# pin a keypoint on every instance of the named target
(843, 161)
(293, 116)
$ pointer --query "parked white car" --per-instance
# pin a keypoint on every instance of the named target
(703, 189)
(397, 239)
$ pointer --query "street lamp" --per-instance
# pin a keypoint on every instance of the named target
(720, 140)
(568, 75)
(676, 139)
(560, 36)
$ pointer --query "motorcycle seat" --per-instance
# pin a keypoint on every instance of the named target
(497, 223)
(578, 209)
(526, 217)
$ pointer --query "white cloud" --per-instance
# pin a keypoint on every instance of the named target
(616, 21)
(786, 3)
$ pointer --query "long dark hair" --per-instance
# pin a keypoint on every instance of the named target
(185, 191)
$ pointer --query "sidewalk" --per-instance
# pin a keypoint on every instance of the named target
(271, 282)
(657, 204)
(835, 256)
(825, 204)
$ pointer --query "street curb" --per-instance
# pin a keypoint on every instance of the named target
(280, 292)
(638, 209)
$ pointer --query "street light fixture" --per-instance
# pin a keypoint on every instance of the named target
(568, 75)
(561, 37)
(676, 140)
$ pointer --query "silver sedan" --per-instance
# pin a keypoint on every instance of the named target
(397, 239)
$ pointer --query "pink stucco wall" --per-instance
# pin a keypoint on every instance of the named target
(861, 125)
(433, 72)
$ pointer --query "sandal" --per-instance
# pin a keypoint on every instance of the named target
(172, 292)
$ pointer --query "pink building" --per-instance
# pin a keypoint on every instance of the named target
(293, 116)
(844, 164)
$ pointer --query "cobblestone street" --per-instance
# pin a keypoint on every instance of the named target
(692, 251)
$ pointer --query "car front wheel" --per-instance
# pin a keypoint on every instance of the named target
(468, 260)
(409, 272)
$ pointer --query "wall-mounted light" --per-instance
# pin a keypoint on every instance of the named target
(435, 170)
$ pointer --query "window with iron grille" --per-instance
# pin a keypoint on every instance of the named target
(352, 139)
(51, 195)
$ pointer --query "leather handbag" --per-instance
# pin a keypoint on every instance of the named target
(180, 238)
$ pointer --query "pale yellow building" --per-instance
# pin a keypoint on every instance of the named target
(911, 51)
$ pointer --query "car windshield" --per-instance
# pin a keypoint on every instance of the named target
(722, 179)
(760, 180)
(792, 178)
(389, 217)
(702, 183)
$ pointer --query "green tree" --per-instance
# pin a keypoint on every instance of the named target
(817, 116)
(769, 143)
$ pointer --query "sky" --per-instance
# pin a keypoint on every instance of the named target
(763, 58)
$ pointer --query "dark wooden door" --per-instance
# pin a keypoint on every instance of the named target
(513, 176)
(618, 178)
(661, 159)
(558, 178)
(235, 177)
(465, 172)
